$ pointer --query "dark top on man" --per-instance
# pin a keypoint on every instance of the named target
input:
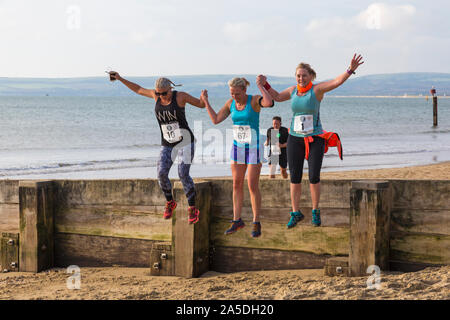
(280, 136)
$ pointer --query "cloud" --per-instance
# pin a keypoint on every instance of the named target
(380, 16)
(241, 32)
(142, 37)
(387, 19)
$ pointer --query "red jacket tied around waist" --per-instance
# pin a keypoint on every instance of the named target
(331, 140)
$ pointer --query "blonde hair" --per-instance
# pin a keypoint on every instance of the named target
(308, 68)
(239, 82)
(163, 83)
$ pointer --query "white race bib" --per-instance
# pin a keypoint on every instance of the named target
(242, 134)
(304, 123)
(275, 150)
(171, 132)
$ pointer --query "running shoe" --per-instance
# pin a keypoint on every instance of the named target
(193, 215)
(296, 217)
(316, 218)
(235, 226)
(168, 211)
(256, 232)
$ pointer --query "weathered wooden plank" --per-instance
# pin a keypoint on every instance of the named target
(98, 251)
(113, 222)
(331, 217)
(371, 203)
(110, 192)
(36, 207)
(405, 266)
(9, 191)
(421, 221)
(162, 259)
(276, 193)
(191, 241)
(337, 266)
(9, 245)
(322, 240)
(421, 248)
(423, 194)
(9, 217)
(232, 259)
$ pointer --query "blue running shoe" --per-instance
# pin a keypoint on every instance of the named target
(296, 217)
(316, 218)
(235, 226)
(256, 232)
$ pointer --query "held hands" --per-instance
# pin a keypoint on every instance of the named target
(261, 80)
(356, 62)
(204, 96)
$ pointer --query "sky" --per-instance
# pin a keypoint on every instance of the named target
(78, 38)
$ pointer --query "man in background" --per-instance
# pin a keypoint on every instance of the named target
(277, 140)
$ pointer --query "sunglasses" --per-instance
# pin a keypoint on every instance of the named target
(161, 93)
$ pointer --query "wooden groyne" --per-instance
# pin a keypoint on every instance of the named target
(119, 222)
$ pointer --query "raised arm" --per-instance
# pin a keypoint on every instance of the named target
(267, 100)
(215, 117)
(133, 86)
(277, 96)
(324, 87)
(187, 98)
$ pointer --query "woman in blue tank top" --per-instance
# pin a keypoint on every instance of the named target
(246, 151)
(305, 130)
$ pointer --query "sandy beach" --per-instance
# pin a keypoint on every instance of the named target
(136, 283)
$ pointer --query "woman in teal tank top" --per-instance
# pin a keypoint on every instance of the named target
(305, 130)
(245, 151)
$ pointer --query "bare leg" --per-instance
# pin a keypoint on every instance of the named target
(254, 171)
(238, 172)
(315, 195)
(296, 192)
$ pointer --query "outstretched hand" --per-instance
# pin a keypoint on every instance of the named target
(356, 62)
(114, 75)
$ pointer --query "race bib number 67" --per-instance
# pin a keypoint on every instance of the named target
(242, 134)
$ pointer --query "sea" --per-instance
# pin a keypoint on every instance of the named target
(47, 137)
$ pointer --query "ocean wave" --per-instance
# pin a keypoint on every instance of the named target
(364, 154)
(79, 166)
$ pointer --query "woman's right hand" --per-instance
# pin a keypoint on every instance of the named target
(204, 96)
(115, 75)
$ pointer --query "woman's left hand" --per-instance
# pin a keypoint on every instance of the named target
(356, 62)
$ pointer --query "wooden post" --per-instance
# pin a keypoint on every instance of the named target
(435, 112)
(435, 117)
(36, 202)
(191, 241)
(370, 207)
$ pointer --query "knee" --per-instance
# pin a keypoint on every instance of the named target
(253, 188)
(238, 185)
(163, 174)
(314, 179)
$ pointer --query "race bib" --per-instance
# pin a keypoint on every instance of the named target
(242, 134)
(275, 150)
(304, 124)
(171, 132)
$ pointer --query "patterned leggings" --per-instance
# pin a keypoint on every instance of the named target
(167, 157)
